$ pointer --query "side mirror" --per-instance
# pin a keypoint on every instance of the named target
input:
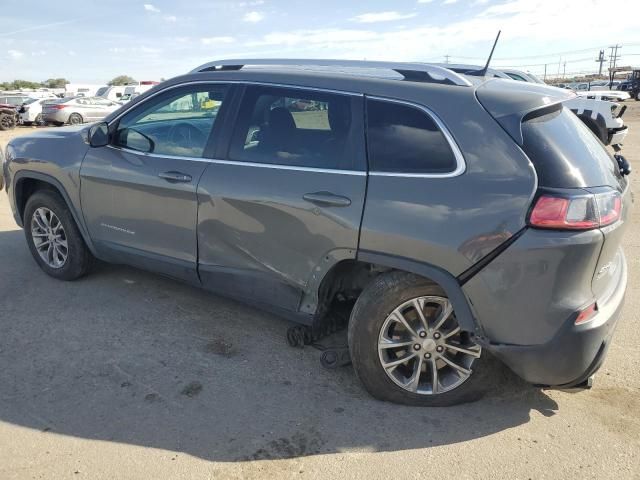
(99, 135)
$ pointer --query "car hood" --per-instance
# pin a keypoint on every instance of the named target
(59, 132)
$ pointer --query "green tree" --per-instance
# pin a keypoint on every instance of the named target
(18, 84)
(121, 80)
(55, 83)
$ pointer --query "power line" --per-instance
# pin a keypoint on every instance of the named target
(543, 55)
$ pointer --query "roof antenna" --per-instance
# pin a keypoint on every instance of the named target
(483, 72)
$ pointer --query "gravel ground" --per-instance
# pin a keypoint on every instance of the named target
(128, 375)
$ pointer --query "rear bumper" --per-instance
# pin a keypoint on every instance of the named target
(616, 137)
(575, 353)
(56, 117)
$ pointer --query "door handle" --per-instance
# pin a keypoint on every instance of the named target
(175, 177)
(327, 199)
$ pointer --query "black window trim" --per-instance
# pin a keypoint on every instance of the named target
(461, 165)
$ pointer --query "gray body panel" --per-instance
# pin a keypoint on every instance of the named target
(127, 206)
(253, 219)
(55, 154)
(452, 222)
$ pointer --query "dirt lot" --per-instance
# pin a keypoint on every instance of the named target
(128, 375)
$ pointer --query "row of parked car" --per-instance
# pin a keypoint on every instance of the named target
(57, 111)
(27, 109)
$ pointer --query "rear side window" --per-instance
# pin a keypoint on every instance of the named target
(565, 153)
(298, 127)
(405, 139)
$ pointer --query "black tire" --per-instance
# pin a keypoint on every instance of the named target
(79, 258)
(637, 96)
(376, 302)
(38, 120)
(7, 121)
(75, 119)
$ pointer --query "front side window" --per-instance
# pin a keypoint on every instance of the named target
(405, 139)
(177, 123)
(298, 127)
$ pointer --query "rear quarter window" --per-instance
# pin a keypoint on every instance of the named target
(403, 138)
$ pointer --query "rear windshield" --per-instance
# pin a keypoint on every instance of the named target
(565, 153)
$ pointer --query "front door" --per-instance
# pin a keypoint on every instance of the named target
(139, 193)
(284, 203)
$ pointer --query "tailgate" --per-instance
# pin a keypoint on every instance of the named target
(610, 262)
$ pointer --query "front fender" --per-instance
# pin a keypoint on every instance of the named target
(21, 176)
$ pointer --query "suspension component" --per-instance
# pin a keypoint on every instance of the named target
(333, 358)
(334, 321)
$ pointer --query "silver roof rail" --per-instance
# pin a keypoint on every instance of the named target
(410, 71)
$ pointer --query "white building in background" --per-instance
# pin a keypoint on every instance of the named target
(81, 90)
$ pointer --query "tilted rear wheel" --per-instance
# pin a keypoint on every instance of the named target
(75, 119)
(407, 346)
(53, 237)
(7, 121)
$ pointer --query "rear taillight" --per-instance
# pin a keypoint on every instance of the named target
(57, 107)
(579, 212)
(586, 314)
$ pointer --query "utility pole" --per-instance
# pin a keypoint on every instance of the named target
(613, 59)
(544, 79)
(600, 60)
(446, 58)
(564, 69)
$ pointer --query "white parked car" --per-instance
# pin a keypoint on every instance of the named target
(30, 112)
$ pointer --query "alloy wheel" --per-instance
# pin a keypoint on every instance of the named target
(422, 348)
(49, 237)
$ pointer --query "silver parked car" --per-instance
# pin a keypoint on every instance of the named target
(77, 110)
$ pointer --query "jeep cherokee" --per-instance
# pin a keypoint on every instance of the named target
(452, 216)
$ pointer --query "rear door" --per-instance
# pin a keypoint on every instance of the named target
(139, 193)
(283, 204)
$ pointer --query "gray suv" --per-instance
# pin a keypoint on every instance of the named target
(451, 216)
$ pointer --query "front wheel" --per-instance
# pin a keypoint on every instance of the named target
(53, 237)
(407, 346)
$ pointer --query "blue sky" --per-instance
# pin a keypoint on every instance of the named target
(93, 41)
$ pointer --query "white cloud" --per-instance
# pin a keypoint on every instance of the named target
(425, 1)
(449, 2)
(253, 3)
(253, 17)
(521, 21)
(151, 8)
(15, 54)
(375, 17)
(71, 53)
(216, 40)
(170, 18)
(329, 38)
(38, 53)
